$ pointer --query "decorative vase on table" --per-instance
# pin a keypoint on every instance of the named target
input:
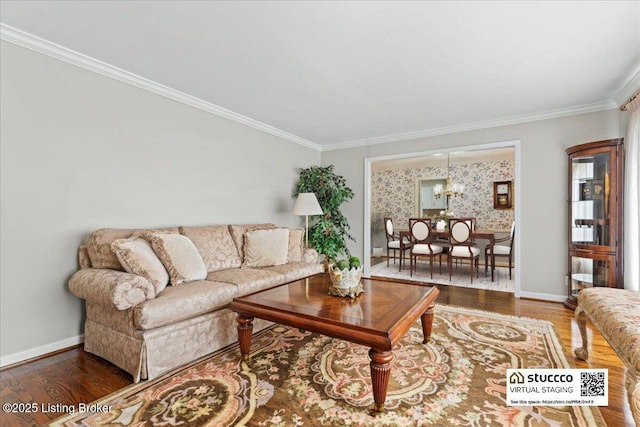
(346, 278)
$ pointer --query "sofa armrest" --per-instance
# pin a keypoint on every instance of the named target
(310, 256)
(103, 286)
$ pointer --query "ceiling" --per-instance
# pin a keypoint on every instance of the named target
(334, 74)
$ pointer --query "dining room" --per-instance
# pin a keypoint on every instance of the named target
(470, 191)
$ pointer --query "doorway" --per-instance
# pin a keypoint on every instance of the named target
(406, 186)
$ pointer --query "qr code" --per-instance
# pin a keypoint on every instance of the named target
(592, 384)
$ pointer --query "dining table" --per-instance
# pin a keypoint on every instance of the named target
(488, 235)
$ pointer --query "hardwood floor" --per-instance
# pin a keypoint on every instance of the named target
(73, 376)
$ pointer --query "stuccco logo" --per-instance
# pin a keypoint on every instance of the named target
(519, 378)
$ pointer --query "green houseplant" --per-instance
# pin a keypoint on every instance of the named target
(329, 232)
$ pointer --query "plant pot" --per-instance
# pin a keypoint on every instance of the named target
(345, 283)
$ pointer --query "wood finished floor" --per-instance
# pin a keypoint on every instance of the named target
(74, 376)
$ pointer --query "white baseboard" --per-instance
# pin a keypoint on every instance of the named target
(10, 359)
(543, 297)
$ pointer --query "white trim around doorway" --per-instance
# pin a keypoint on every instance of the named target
(444, 150)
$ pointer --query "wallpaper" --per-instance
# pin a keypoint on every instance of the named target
(392, 194)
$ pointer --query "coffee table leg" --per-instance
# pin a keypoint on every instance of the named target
(427, 323)
(380, 371)
(245, 329)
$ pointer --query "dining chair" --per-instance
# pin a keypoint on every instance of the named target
(461, 243)
(421, 238)
(395, 242)
(502, 250)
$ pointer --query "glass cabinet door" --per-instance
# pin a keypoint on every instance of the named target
(595, 216)
(590, 200)
(591, 272)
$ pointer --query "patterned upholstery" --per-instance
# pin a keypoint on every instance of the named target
(296, 270)
(248, 280)
(147, 332)
(183, 302)
(83, 257)
(296, 245)
(238, 231)
(309, 256)
(179, 256)
(110, 287)
(137, 257)
(99, 245)
(215, 245)
(616, 314)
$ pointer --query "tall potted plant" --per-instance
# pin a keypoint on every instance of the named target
(329, 232)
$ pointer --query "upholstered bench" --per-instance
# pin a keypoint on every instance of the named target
(616, 314)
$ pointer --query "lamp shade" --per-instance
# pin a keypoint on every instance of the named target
(307, 204)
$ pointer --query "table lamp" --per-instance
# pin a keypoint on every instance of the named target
(307, 204)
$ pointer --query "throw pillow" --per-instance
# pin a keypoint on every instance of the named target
(179, 256)
(264, 248)
(137, 257)
(238, 231)
(296, 244)
(99, 245)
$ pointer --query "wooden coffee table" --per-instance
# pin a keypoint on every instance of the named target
(377, 318)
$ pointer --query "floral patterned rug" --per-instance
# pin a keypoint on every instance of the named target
(296, 378)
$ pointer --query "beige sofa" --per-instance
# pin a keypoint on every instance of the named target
(616, 314)
(147, 329)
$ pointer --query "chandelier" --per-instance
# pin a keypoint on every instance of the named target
(454, 189)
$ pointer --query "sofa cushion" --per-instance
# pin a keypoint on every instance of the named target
(99, 245)
(238, 230)
(137, 257)
(296, 244)
(182, 302)
(248, 280)
(296, 270)
(263, 248)
(179, 256)
(215, 245)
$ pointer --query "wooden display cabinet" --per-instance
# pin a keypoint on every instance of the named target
(595, 217)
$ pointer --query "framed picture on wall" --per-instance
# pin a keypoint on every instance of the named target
(502, 195)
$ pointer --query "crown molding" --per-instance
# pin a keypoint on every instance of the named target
(629, 88)
(511, 120)
(46, 47)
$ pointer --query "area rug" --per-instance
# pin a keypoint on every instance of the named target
(460, 276)
(296, 378)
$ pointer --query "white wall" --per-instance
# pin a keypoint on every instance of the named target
(543, 232)
(80, 151)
